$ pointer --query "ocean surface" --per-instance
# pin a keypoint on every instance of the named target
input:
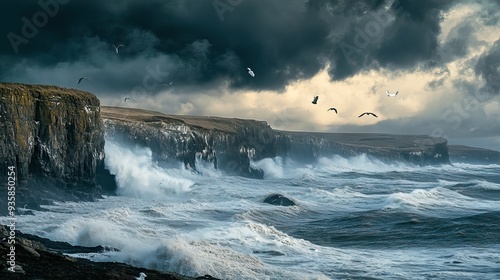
(355, 218)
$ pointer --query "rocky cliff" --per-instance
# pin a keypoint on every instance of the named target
(54, 138)
(230, 144)
(466, 154)
(227, 144)
(414, 149)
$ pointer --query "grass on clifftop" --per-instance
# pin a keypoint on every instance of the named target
(230, 124)
(47, 90)
(209, 123)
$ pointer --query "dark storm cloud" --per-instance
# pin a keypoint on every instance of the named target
(489, 15)
(401, 36)
(281, 40)
(458, 42)
(488, 67)
(413, 35)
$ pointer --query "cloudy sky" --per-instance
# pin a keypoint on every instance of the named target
(191, 57)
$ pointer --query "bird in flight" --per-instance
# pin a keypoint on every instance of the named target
(142, 276)
(315, 100)
(333, 109)
(251, 72)
(391, 94)
(169, 84)
(117, 47)
(82, 78)
(126, 98)
(367, 113)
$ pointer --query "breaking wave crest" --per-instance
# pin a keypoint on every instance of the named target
(137, 175)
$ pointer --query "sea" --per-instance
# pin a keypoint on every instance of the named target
(354, 218)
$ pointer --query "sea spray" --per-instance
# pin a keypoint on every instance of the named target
(137, 175)
(355, 218)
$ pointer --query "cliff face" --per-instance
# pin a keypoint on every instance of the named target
(466, 154)
(414, 149)
(228, 144)
(231, 143)
(53, 136)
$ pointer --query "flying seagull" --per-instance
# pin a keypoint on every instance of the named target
(169, 84)
(333, 109)
(83, 78)
(367, 113)
(315, 100)
(142, 276)
(125, 100)
(391, 94)
(117, 47)
(251, 72)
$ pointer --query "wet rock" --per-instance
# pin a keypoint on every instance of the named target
(51, 264)
(50, 137)
(280, 200)
(415, 149)
(206, 277)
(232, 144)
(225, 144)
(466, 154)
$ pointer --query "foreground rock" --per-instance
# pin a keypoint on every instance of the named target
(53, 138)
(35, 261)
(279, 200)
(466, 154)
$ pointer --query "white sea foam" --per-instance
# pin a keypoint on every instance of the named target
(362, 163)
(137, 175)
(342, 199)
(214, 224)
(278, 168)
(486, 185)
(440, 202)
(222, 251)
(471, 184)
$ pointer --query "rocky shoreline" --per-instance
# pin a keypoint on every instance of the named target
(39, 258)
(235, 143)
(54, 139)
